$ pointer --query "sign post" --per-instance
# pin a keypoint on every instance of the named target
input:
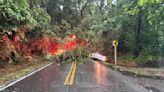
(115, 44)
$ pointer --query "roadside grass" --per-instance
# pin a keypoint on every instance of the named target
(127, 60)
(129, 65)
(130, 60)
(13, 72)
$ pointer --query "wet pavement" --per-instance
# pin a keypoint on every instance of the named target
(156, 85)
(91, 77)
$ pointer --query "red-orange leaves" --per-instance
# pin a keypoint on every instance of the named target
(70, 45)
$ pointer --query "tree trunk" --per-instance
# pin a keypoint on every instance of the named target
(82, 9)
(31, 4)
(138, 33)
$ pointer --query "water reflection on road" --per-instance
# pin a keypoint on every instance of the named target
(100, 73)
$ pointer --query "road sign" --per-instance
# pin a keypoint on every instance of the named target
(115, 43)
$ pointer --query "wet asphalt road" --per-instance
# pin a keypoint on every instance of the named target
(91, 77)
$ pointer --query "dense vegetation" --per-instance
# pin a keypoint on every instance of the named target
(137, 24)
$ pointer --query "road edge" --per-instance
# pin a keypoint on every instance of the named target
(143, 72)
(25, 76)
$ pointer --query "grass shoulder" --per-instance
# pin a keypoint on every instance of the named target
(14, 71)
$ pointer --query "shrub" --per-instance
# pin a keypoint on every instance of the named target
(12, 15)
(42, 18)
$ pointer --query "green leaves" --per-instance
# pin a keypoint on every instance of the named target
(145, 2)
(16, 13)
(131, 9)
(13, 14)
(142, 2)
(42, 19)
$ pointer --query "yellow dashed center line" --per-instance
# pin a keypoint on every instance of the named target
(71, 74)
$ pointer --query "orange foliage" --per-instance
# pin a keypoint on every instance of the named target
(70, 45)
(81, 42)
(36, 46)
(39, 45)
(6, 46)
(21, 30)
(10, 45)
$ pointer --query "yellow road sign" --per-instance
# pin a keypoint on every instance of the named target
(115, 43)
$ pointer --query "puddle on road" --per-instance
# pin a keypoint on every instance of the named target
(153, 89)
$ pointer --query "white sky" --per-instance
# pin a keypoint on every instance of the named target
(114, 2)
